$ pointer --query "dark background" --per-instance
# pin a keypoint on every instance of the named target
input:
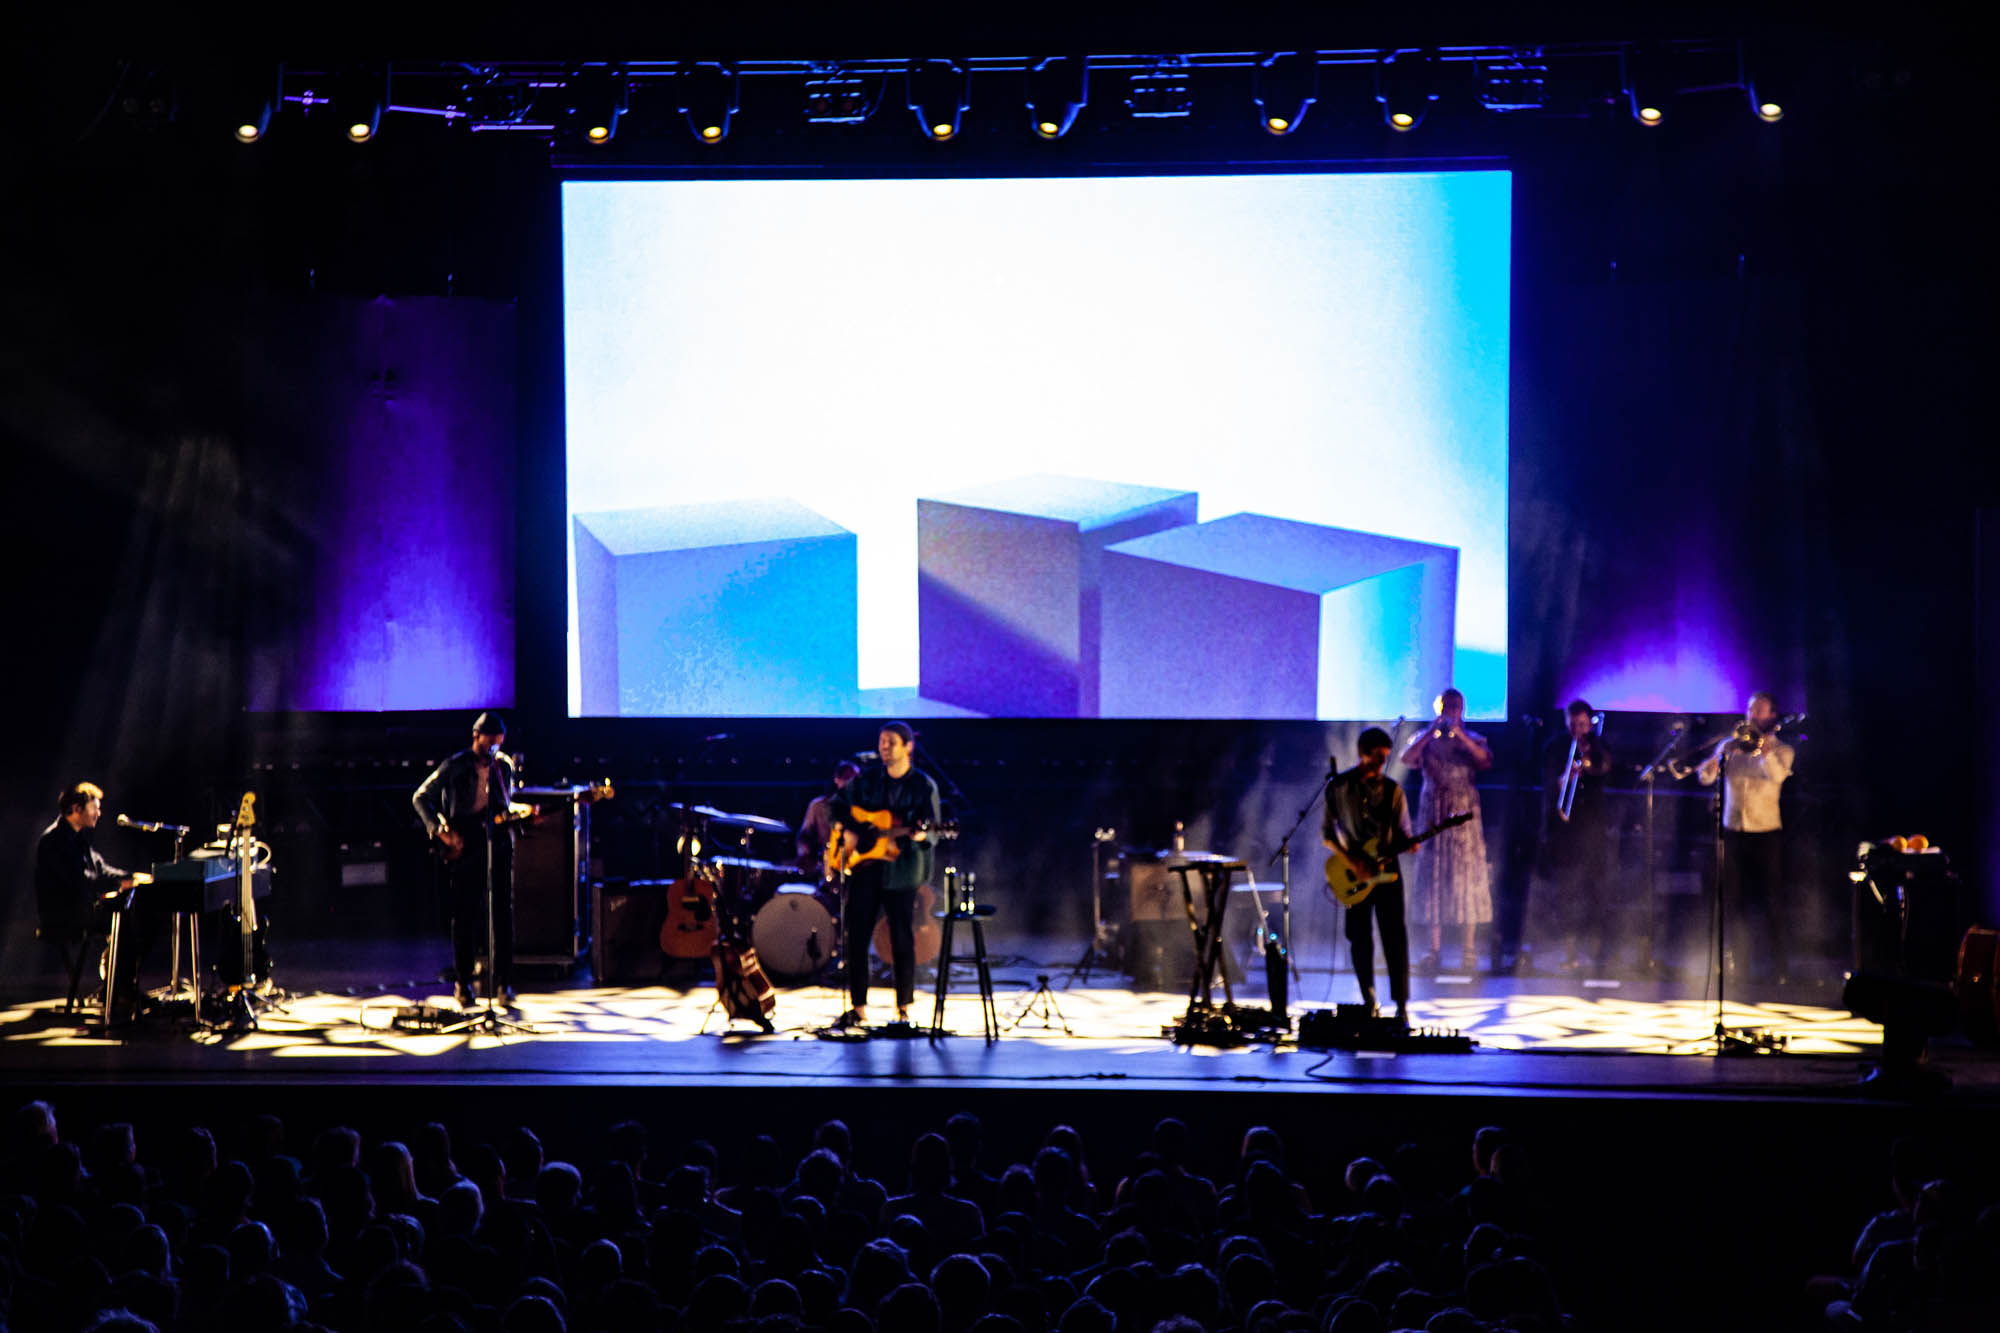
(1744, 393)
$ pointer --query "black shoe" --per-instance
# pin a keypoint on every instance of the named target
(847, 1022)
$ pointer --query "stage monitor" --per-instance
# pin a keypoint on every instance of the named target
(1197, 446)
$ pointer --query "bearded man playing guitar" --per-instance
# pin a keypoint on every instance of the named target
(1368, 821)
(463, 804)
(885, 884)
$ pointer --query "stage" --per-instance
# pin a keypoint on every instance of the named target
(1544, 1037)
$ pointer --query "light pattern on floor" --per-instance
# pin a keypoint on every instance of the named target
(321, 1025)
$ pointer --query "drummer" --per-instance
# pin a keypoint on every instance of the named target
(816, 828)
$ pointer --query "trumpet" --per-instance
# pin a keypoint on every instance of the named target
(1573, 771)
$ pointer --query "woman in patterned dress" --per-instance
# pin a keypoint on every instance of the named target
(1449, 886)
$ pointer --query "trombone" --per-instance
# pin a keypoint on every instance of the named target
(1573, 771)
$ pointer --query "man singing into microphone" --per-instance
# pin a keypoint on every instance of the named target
(458, 803)
(77, 889)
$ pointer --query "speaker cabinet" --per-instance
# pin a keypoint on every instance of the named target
(550, 883)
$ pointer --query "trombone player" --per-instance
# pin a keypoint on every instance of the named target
(1575, 850)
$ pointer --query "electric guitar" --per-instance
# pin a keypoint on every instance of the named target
(876, 840)
(1352, 876)
(451, 842)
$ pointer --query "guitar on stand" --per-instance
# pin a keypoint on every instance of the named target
(1352, 875)
(251, 992)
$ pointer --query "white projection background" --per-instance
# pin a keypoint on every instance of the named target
(1328, 348)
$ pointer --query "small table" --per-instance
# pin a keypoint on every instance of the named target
(989, 1016)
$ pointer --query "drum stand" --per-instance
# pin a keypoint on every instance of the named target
(488, 1020)
(1099, 952)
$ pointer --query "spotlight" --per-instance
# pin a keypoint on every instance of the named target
(594, 99)
(707, 99)
(1644, 87)
(1160, 93)
(1405, 88)
(359, 100)
(834, 98)
(255, 100)
(1767, 92)
(1287, 84)
(1058, 88)
(939, 91)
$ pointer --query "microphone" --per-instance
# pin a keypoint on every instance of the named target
(718, 736)
(150, 826)
(1530, 720)
(865, 755)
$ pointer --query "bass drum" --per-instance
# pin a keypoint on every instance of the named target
(926, 935)
(794, 933)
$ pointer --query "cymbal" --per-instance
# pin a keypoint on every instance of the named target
(749, 863)
(756, 822)
(705, 811)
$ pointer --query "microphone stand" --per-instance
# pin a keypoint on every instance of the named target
(1728, 1041)
(1284, 854)
(1648, 775)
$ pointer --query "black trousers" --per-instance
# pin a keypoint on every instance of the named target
(1384, 904)
(1577, 866)
(466, 891)
(867, 899)
(1753, 867)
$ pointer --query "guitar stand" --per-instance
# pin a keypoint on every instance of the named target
(1041, 1002)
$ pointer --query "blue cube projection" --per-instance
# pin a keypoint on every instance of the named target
(1008, 598)
(743, 606)
(1258, 617)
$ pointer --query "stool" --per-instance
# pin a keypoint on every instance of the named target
(989, 1016)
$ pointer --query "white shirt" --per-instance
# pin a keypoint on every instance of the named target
(1750, 786)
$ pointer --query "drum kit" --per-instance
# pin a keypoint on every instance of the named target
(737, 897)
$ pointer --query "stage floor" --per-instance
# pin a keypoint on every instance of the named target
(1541, 1036)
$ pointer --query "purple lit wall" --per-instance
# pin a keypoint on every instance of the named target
(383, 433)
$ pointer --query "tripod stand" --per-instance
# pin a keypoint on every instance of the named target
(489, 1019)
(1042, 1004)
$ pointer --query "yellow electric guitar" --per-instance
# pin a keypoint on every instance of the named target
(877, 839)
(1353, 875)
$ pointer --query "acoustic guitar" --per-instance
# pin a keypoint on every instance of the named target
(741, 987)
(451, 842)
(1352, 876)
(692, 926)
(877, 839)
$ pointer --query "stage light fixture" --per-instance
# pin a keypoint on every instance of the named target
(939, 91)
(359, 98)
(1058, 89)
(837, 98)
(1405, 88)
(594, 98)
(1161, 93)
(1645, 89)
(1286, 86)
(1766, 90)
(707, 99)
(256, 100)
(1519, 82)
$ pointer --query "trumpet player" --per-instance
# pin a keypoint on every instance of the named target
(1575, 853)
(1752, 764)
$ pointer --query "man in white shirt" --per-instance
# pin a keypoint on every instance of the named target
(1752, 765)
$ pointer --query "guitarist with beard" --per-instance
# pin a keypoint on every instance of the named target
(1366, 809)
(459, 803)
(887, 887)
